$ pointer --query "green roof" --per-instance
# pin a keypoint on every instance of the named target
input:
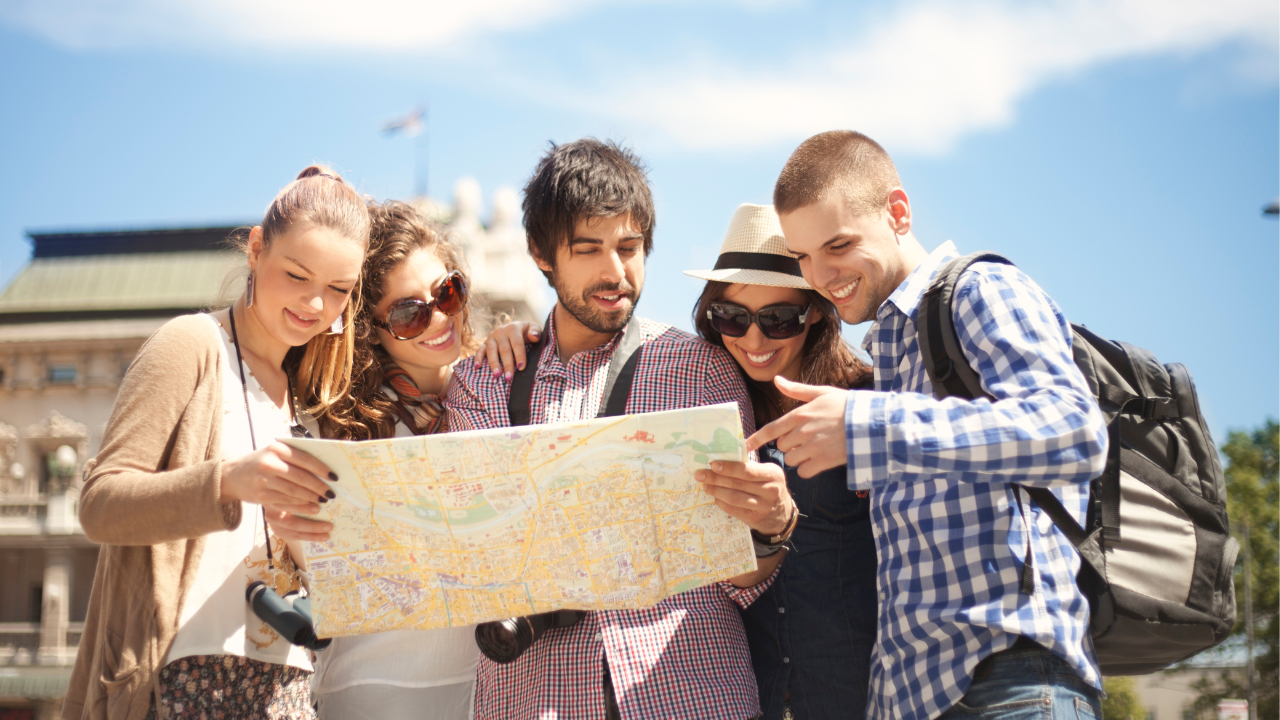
(34, 682)
(121, 282)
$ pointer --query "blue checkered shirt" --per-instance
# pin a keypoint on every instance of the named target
(951, 532)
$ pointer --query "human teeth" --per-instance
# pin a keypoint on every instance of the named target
(844, 292)
(440, 339)
(760, 358)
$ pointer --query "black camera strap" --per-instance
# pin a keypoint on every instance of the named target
(617, 384)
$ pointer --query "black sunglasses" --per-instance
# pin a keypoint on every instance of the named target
(778, 322)
(409, 318)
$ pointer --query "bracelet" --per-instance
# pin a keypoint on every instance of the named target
(764, 551)
(777, 541)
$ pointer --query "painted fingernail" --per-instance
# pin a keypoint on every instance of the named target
(534, 334)
(508, 376)
(330, 494)
(333, 476)
(520, 366)
(323, 500)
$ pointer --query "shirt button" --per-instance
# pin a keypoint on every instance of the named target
(786, 659)
(886, 661)
(782, 610)
(599, 637)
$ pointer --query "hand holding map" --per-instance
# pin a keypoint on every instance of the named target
(461, 528)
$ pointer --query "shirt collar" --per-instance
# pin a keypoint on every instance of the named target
(550, 360)
(906, 298)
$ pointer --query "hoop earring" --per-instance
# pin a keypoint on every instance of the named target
(248, 291)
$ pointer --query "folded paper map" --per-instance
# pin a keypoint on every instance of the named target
(466, 527)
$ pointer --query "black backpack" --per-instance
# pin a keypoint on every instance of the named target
(1158, 561)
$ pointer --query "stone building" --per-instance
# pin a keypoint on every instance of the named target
(71, 321)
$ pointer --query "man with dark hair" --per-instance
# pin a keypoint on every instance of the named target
(589, 216)
(979, 612)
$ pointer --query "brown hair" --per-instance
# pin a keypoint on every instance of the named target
(841, 161)
(584, 179)
(398, 231)
(321, 369)
(825, 360)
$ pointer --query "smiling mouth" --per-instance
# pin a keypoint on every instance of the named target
(438, 340)
(844, 291)
(760, 358)
(612, 301)
(300, 320)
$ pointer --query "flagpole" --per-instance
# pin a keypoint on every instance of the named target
(423, 156)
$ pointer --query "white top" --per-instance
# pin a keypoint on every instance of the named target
(216, 619)
(404, 658)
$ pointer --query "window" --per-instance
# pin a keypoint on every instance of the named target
(63, 374)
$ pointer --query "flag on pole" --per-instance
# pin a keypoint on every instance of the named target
(411, 124)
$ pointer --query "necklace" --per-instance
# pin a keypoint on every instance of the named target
(253, 441)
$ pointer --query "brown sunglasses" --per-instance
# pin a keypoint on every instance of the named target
(409, 318)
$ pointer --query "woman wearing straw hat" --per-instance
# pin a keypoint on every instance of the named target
(812, 632)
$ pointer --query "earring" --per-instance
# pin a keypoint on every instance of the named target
(248, 291)
(337, 327)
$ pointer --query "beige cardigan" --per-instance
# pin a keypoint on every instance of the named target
(150, 496)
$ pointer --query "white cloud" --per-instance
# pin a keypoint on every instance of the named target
(923, 75)
(931, 72)
(273, 25)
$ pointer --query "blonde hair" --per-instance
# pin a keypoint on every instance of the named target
(321, 370)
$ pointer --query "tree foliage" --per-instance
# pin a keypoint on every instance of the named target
(1253, 497)
(1121, 702)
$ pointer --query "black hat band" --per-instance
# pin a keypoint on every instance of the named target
(759, 261)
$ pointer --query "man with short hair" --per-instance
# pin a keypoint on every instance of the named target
(979, 609)
(589, 216)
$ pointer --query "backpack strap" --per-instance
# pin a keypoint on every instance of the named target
(622, 372)
(520, 400)
(617, 384)
(944, 360)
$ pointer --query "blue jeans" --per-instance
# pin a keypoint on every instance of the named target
(1026, 684)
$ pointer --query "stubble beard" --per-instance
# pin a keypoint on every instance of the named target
(585, 311)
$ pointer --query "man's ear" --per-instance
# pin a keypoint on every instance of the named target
(899, 208)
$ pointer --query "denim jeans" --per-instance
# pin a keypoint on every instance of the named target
(1026, 684)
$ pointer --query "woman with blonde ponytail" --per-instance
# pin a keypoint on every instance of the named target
(192, 497)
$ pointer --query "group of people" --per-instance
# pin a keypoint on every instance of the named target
(900, 574)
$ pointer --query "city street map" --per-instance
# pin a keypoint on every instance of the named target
(460, 528)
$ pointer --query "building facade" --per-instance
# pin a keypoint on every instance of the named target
(71, 321)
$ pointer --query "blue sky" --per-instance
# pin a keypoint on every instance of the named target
(1118, 150)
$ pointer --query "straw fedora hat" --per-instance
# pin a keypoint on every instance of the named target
(754, 253)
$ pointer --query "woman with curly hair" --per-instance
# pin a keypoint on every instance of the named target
(415, 326)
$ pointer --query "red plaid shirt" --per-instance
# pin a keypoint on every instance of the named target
(687, 656)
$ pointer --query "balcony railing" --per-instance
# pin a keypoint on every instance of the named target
(20, 643)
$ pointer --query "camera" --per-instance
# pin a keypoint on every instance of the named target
(503, 641)
(291, 619)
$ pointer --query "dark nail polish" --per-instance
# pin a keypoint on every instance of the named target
(333, 476)
(330, 494)
(323, 500)
(520, 366)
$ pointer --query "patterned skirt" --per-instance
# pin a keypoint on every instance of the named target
(228, 687)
